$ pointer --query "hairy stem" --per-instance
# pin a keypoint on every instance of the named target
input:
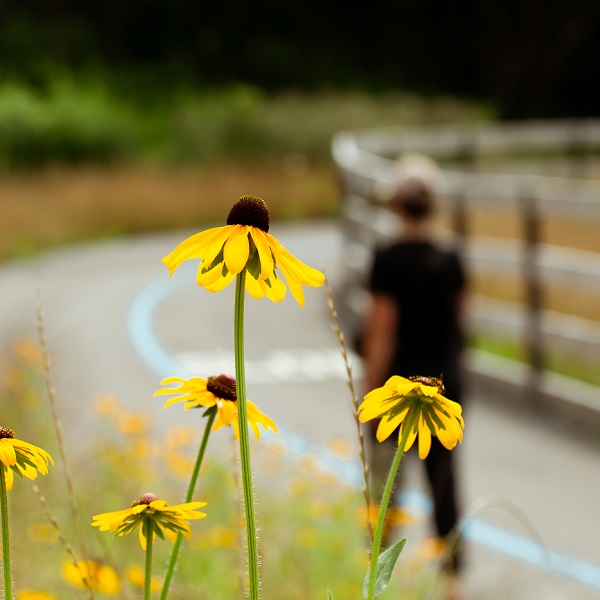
(409, 423)
(188, 498)
(244, 442)
(148, 572)
(5, 538)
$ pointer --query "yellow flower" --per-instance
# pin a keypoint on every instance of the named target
(101, 577)
(162, 520)
(220, 392)
(418, 400)
(395, 516)
(34, 595)
(135, 576)
(245, 244)
(21, 458)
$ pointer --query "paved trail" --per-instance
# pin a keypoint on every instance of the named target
(116, 323)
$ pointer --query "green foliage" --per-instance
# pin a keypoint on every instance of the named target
(77, 123)
(559, 361)
(66, 125)
(385, 568)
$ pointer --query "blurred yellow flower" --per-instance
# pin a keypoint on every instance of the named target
(431, 548)
(107, 405)
(395, 516)
(22, 458)
(416, 400)
(244, 244)
(132, 423)
(163, 520)
(101, 577)
(28, 351)
(135, 576)
(34, 595)
(342, 448)
(219, 392)
(218, 537)
(42, 532)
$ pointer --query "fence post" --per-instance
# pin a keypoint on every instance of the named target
(533, 295)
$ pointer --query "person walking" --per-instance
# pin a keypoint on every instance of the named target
(414, 323)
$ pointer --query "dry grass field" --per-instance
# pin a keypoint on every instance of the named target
(53, 207)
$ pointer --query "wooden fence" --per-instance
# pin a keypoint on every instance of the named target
(364, 158)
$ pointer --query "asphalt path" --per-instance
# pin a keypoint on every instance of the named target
(115, 323)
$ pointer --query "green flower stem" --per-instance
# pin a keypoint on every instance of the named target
(409, 423)
(5, 541)
(188, 498)
(240, 377)
(148, 574)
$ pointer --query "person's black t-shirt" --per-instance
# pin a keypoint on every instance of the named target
(425, 280)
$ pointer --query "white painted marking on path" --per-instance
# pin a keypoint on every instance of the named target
(289, 365)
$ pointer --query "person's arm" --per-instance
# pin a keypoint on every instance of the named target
(379, 339)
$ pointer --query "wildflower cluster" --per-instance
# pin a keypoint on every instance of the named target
(242, 249)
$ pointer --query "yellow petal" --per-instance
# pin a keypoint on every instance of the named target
(209, 277)
(193, 247)
(387, 426)
(275, 291)
(296, 289)
(7, 453)
(428, 390)
(220, 283)
(253, 287)
(411, 437)
(400, 385)
(142, 537)
(256, 417)
(216, 244)
(9, 477)
(424, 438)
(237, 249)
(292, 267)
(264, 252)
(172, 379)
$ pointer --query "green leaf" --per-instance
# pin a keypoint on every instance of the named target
(211, 410)
(253, 263)
(329, 595)
(385, 567)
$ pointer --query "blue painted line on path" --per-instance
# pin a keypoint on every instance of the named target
(142, 336)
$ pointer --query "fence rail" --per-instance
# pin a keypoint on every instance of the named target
(363, 160)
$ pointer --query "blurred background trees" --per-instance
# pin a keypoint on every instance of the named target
(526, 58)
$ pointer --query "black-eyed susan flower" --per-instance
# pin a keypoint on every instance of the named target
(22, 458)
(245, 244)
(219, 392)
(100, 577)
(416, 400)
(162, 520)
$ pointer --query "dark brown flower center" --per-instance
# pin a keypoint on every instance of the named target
(250, 210)
(145, 499)
(222, 386)
(6, 433)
